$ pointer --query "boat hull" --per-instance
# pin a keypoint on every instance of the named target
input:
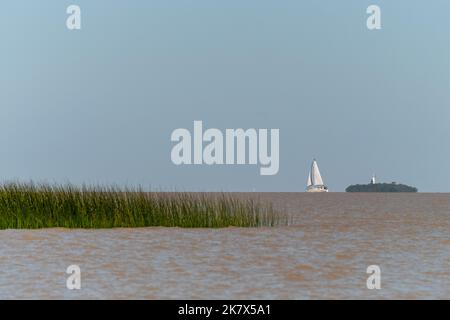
(317, 189)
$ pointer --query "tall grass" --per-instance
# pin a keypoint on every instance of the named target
(31, 206)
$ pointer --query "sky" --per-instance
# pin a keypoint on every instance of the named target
(98, 105)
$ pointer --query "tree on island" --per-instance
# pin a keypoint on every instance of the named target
(380, 187)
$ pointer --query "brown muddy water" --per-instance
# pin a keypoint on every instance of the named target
(323, 254)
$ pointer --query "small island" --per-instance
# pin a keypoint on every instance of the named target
(380, 187)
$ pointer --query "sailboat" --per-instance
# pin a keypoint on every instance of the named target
(315, 182)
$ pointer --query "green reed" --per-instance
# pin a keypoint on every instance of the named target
(31, 206)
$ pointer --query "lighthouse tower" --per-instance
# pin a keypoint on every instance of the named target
(373, 181)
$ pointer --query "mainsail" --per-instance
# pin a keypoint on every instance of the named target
(315, 182)
(314, 177)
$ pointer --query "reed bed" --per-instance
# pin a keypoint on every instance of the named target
(32, 206)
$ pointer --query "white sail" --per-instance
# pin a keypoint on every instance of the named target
(316, 178)
(315, 182)
(309, 183)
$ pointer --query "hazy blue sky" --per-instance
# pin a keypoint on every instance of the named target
(98, 105)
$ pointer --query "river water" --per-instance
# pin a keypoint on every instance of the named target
(324, 253)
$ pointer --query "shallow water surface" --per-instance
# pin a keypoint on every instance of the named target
(323, 254)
